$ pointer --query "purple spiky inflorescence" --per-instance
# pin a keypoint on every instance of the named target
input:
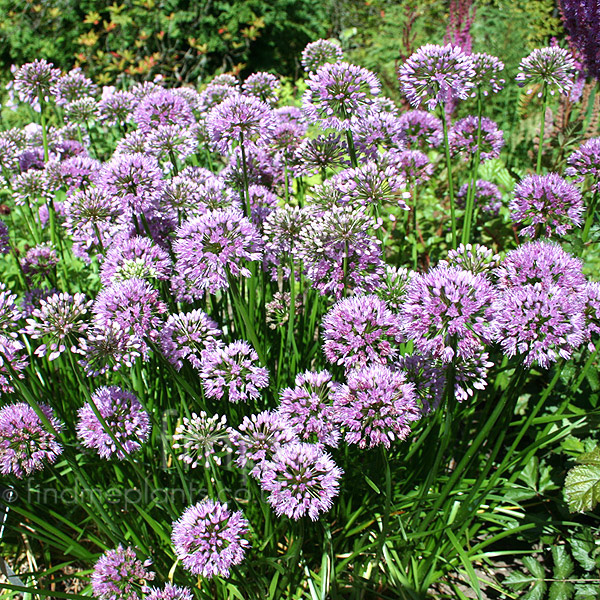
(585, 162)
(170, 592)
(487, 68)
(318, 53)
(201, 438)
(35, 79)
(462, 138)
(552, 68)
(486, 196)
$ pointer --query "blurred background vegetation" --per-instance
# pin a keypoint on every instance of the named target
(188, 41)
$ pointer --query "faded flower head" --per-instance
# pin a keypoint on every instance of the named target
(201, 439)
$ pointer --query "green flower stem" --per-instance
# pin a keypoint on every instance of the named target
(538, 166)
(413, 192)
(246, 199)
(591, 213)
(385, 524)
(450, 179)
(351, 149)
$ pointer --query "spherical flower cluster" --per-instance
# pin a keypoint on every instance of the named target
(319, 154)
(487, 197)
(13, 361)
(76, 172)
(59, 321)
(422, 130)
(262, 168)
(209, 248)
(125, 418)
(120, 575)
(590, 295)
(72, 86)
(168, 142)
(133, 142)
(318, 53)
(116, 108)
(360, 330)
(25, 442)
(447, 313)
(308, 409)
(262, 203)
(462, 138)
(186, 336)
(216, 195)
(169, 592)
(377, 129)
(209, 538)
(434, 75)
(427, 376)
(585, 162)
(375, 407)
(393, 286)
(162, 107)
(135, 258)
(487, 68)
(81, 111)
(474, 258)
(202, 438)
(231, 371)
(263, 86)
(31, 186)
(302, 479)
(548, 204)
(471, 375)
(39, 261)
(412, 165)
(337, 93)
(35, 79)
(553, 68)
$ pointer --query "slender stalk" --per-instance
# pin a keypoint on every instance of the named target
(538, 166)
(351, 149)
(589, 219)
(449, 169)
(245, 175)
(385, 525)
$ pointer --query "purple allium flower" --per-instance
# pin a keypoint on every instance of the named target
(258, 437)
(549, 204)
(120, 575)
(136, 178)
(339, 254)
(422, 130)
(183, 195)
(31, 300)
(209, 538)
(321, 52)
(4, 238)
(359, 331)
(585, 161)
(262, 203)
(393, 286)
(202, 439)
(471, 374)
(125, 417)
(378, 128)
(475, 258)
(225, 79)
(263, 86)
(190, 95)
(581, 19)
(134, 305)
(31, 186)
(25, 443)
(261, 167)
(142, 89)
(39, 261)
(338, 92)
(9, 155)
(214, 94)
(73, 86)
(327, 195)
(75, 172)
(231, 371)
(216, 195)
(32, 158)
(278, 309)
(436, 75)
(487, 68)
(302, 479)
(210, 247)
(590, 295)
(171, 141)
(412, 165)
(540, 262)
(135, 258)
(108, 349)
(375, 407)
(447, 313)
(319, 154)
(282, 232)
(35, 79)
(487, 197)
(237, 120)
(9, 311)
(132, 143)
(81, 111)
(462, 138)
(428, 378)
(540, 323)
(308, 409)
(550, 67)
(170, 592)
(186, 335)
(286, 137)
(59, 322)
(117, 108)
(13, 361)
(162, 107)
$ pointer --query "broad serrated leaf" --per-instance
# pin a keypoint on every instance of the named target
(581, 551)
(582, 487)
(590, 458)
(587, 591)
(561, 590)
(529, 474)
(537, 592)
(534, 567)
(563, 565)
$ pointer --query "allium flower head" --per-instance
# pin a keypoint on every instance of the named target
(487, 197)
(539, 323)
(547, 204)
(302, 479)
(35, 79)
(375, 407)
(447, 313)
(471, 374)
(427, 376)
(135, 258)
(215, 93)
(172, 141)
(120, 575)
(474, 258)
(81, 111)
(39, 261)
(132, 143)
(286, 137)
(210, 247)
(487, 68)
(281, 232)
(462, 138)
(116, 109)
(232, 371)
(318, 53)
(264, 86)
(201, 439)
(31, 186)
(124, 415)
(9, 155)
(393, 286)
(278, 309)
(186, 336)
(551, 67)
(361, 330)
(585, 161)
(9, 311)
(59, 322)
(540, 262)
(378, 128)
(412, 165)
(13, 362)
(258, 437)
(209, 538)
(308, 409)
(262, 203)
(170, 592)
(435, 75)
(338, 92)
(320, 154)
(590, 295)
(183, 195)
(72, 86)
(25, 443)
(238, 119)
(422, 130)
(76, 172)
(262, 168)
(162, 107)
